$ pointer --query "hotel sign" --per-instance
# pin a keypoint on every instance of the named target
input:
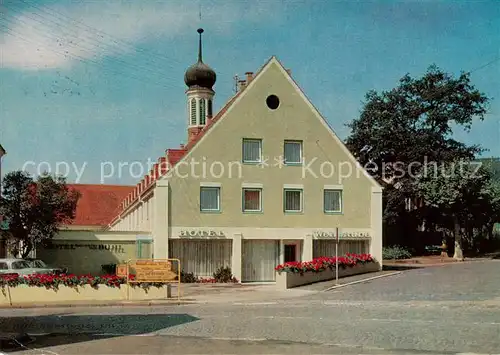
(201, 233)
(343, 235)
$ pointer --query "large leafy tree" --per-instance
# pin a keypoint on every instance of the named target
(456, 191)
(34, 209)
(403, 130)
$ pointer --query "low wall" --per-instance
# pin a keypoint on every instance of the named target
(23, 294)
(287, 280)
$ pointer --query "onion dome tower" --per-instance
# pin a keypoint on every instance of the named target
(199, 79)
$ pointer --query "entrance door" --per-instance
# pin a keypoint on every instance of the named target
(290, 253)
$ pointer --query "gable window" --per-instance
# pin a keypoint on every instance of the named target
(252, 200)
(252, 150)
(332, 201)
(203, 114)
(193, 112)
(293, 152)
(292, 200)
(209, 199)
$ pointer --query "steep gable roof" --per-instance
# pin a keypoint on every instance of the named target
(273, 60)
(97, 203)
(2, 151)
(174, 156)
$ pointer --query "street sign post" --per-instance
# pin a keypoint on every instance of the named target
(337, 255)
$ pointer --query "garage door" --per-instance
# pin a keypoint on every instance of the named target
(259, 258)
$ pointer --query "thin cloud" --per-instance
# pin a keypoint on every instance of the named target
(57, 37)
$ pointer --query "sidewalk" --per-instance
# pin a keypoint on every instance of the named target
(426, 261)
(190, 294)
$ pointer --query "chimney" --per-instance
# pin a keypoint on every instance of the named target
(249, 76)
(241, 84)
(289, 71)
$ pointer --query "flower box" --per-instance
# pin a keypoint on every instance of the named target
(46, 289)
(296, 274)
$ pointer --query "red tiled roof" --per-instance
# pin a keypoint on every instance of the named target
(98, 203)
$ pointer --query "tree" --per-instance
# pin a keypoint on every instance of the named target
(35, 210)
(402, 130)
(456, 190)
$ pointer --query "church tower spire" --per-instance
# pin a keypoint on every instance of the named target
(199, 79)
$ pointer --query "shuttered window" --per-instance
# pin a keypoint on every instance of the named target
(293, 200)
(252, 150)
(210, 199)
(193, 112)
(209, 108)
(203, 113)
(332, 201)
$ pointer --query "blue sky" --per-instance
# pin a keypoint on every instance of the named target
(91, 82)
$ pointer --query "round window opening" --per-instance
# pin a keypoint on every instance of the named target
(272, 102)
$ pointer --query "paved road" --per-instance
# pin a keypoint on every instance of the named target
(442, 310)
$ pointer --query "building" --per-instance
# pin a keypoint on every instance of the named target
(253, 186)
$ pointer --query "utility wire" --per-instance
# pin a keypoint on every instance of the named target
(79, 58)
(100, 33)
(75, 45)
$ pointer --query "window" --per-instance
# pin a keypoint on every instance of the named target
(293, 152)
(293, 200)
(252, 200)
(203, 114)
(332, 201)
(209, 199)
(209, 108)
(3, 266)
(16, 265)
(252, 150)
(273, 102)
(193, 112)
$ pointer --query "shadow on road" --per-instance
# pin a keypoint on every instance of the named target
(55, 330)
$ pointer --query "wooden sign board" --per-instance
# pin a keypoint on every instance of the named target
(121, 270)
(153, 271)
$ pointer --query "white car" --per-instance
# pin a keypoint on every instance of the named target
(20, 267)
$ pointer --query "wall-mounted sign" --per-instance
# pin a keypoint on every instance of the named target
(201, 233)
(342, 235)
(115, 248)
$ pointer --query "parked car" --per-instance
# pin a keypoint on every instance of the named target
(21, 267)
(39, 264)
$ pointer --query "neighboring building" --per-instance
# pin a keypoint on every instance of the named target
(246, 209)
(97, 205)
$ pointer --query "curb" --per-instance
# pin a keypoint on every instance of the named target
(362, 280)
(422, 266)
(100, 304)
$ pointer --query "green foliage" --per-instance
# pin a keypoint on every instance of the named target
(400, 132)
(34, 209)
(188, 277)
(223, 275)
(395, 252)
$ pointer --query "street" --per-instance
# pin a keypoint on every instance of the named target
(451, 309)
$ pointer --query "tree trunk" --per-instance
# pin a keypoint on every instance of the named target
(26, 250)
(458, 255)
